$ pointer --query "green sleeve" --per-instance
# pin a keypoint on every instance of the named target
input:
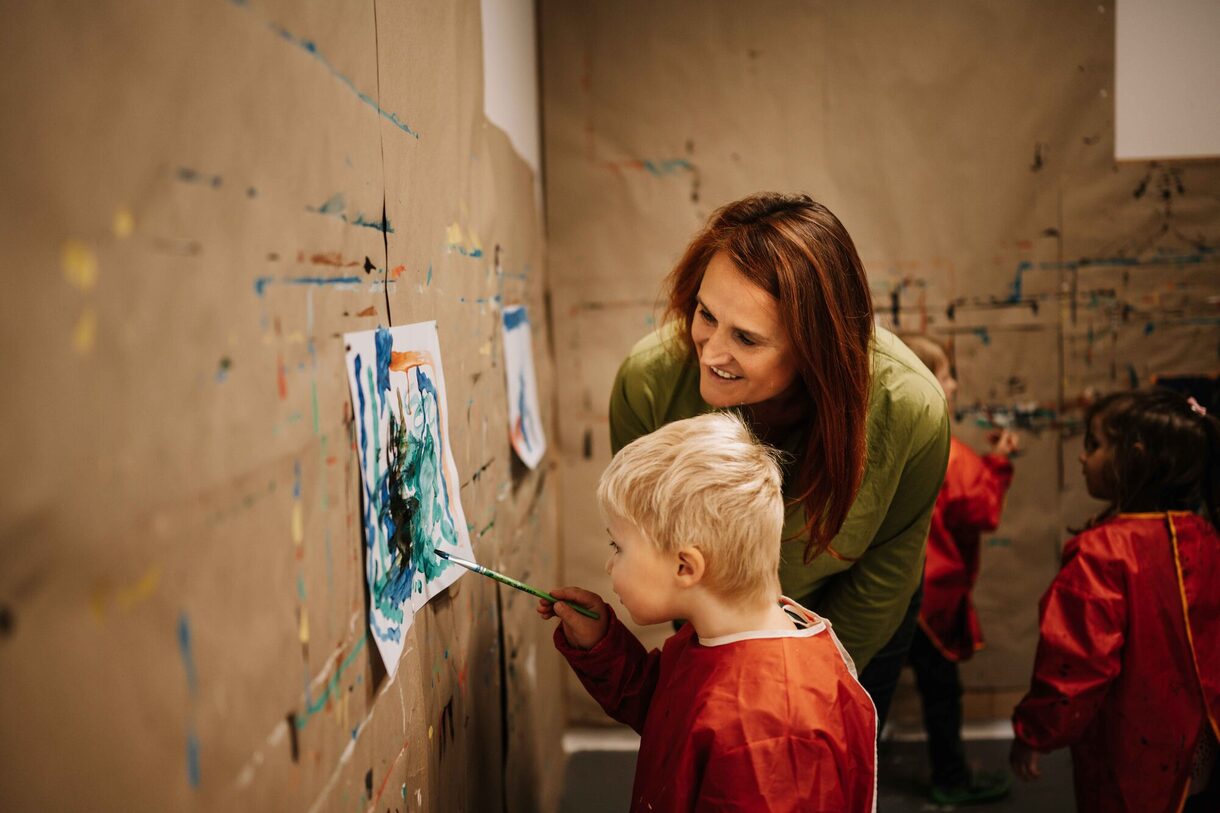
(630, 408)
(867, 601)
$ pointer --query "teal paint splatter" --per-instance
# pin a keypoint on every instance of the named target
(192, 759)
(332, 686)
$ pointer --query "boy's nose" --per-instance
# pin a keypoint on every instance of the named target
(609, 565)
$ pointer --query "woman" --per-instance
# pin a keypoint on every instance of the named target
(769, 312)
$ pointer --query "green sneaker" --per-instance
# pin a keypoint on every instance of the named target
(984, 787)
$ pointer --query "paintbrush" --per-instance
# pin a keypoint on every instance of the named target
(511, 582)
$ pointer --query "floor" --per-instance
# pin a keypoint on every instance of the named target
(601, 764)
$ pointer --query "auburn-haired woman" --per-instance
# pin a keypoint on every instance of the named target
(769, 312)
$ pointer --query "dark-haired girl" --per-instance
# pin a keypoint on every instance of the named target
(1127, 672)
(769, 312)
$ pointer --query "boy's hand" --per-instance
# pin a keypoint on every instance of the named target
(1005, 443)
(1024, 761)
(582, 632)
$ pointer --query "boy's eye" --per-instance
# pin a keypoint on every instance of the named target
(614, 546)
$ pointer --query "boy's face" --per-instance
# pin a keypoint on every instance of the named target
(1097, 461)
(948, 384)
(642, 576)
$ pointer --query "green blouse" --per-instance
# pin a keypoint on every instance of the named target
(864, 583)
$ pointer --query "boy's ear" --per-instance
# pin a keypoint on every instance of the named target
(691, 566)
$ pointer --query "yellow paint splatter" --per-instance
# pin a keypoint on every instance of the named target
(298, 524)
(453, 235)
(304, 628)
(141, 590)
(429, 732)
(80, 264)
(103, 593)
(124, 224)
(84, 335)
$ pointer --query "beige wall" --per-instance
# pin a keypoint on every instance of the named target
(162, 406)
(967, 147)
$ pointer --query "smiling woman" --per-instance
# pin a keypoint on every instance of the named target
(769, 313)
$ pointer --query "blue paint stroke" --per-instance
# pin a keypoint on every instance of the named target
(515, 318)
(364, 434)
(184, 645)
(1203, 254)
(667, 167)
(311, 48)
(334, 207)
(192, 759)
(523, 409)
(429, 280)
(385, 346)
(261, 283)
(296, 480)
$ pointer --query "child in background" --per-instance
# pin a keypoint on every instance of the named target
(969, 503)
(753, 704)
(1128, 666)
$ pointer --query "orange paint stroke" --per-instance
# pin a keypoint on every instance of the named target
(281, 377)
(398, 271)
(401, 362)
(389, 772)
(371, 310)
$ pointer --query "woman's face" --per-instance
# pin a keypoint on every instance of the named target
(745, 356)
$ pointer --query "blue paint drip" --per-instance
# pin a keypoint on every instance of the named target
(192, 759)
(385, 345)
(296, 480)
(312, 49)
(515, 318)
(184, 645)
(429, 280)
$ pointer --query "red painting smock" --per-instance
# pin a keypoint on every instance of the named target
(969, 503)
(1128, 666)
(764, 721)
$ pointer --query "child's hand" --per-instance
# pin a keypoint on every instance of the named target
(582, 632)
(1005, 443)
(1024, 761)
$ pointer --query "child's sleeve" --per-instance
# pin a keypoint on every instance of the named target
(975, 492)
(617, 673)
(1080, 644)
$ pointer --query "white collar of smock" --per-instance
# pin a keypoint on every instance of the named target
(809, 624)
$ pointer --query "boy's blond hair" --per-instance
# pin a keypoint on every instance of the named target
(704, 482)
(931, 352)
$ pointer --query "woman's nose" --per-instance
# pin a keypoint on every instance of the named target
(714, 349)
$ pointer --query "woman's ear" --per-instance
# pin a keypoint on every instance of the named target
(691, 566)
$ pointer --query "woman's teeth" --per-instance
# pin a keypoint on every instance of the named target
(723, 374)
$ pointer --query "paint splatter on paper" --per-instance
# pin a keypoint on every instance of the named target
(524, 417)
(411, 500)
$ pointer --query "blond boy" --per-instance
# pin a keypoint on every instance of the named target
(752, 705)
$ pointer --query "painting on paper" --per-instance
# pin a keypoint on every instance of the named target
(410, 482)
(524, 419)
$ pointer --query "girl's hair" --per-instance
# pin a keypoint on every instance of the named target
(796, 250)
(1166, 452)
(704, 482)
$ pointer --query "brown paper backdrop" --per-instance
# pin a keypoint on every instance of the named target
(968, 148)
(183, 184)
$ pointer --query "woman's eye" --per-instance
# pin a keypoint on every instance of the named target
(746, 340)
(707, 317)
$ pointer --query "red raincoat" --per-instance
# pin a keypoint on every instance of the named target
(969, 503)
(1128, 665)
(775, 723)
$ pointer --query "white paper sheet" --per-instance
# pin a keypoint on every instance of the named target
(411, 500)
(524, 418)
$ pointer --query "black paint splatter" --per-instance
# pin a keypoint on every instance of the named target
(7, 621)
(293, 742)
